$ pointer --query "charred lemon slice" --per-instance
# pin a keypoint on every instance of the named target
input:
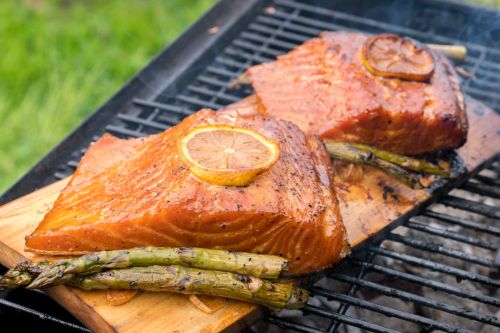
(227, 155)
(390, 55)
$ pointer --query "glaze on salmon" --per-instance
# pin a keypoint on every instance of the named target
(138, 192)
(324, 88)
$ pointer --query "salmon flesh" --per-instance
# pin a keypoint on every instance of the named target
(138, 192)
(324, 88)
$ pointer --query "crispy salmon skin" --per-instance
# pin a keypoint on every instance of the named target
(324, 88)
(138, 192)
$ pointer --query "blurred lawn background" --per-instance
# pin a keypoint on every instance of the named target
(60, 60)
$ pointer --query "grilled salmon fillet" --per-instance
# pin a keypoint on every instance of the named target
(138, 192)
(324, 88)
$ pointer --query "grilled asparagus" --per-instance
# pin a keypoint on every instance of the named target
(198, 281)
(406, 162)
(22, 275)
(348, 152)
(258, 265)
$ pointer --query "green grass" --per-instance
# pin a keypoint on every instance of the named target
(491, 3)
(61, 59)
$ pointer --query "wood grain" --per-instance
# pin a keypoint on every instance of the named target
(367, 206)
(378, 201)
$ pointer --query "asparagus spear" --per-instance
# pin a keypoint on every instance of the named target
(455, 51)
(21, 275)
(258, 265)
(197, 281)
(406, 162)
(347, 152)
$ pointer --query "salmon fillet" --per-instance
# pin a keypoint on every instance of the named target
(138, 192)
(324, 88)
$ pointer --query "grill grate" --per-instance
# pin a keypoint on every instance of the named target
(278, 28)
(384, 269)
(436, 268)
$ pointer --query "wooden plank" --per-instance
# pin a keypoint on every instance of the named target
(367, 207)
(163, 312)
(377, 201)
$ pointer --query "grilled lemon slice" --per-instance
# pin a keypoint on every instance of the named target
(227, 155)
(390, 55)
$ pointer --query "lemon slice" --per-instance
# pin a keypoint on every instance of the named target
(392, 56)
(227, 155)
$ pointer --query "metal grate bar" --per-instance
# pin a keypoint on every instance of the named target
(281, 44)
(488, 180)
(298, 29)
(347, 319)
(471, 206)
(475, 70)
(230, 62)
(485, 64)
(251, 46)
(161, 106)
(438, 248)
(481, 93)
(121, 131)
(144, 122)
(249, 56)
(495, 168)
(199, 103)
(60, 175)
(73, 163)
(416, 224)
(212, 81)
(318, 26)
(390, 312)
(435, 285)
(296, 327)
(378, 25)
(297, 38)
(220, 71)
(42, 315)
(486, 75)
(463, 222)
(459, 274)
(208, 92)
(352, 290)
(480, 86)
(426, 301)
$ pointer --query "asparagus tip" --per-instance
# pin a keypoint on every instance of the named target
(455, 51)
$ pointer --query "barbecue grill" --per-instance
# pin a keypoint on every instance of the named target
(439, 271)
